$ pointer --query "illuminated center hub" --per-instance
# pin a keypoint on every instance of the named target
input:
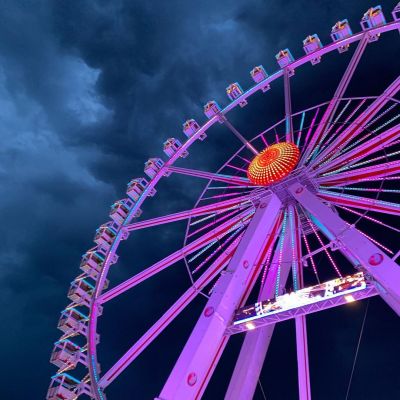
(273, 163)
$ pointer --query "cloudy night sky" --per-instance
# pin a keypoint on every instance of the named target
(89, 90)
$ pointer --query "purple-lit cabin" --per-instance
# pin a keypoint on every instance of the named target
(120, 210)
(310, 45)
(152, 166)
(81, 291)
(259, 74)
(136, 187)
(211, 109)
(63, 387)
(106, 233)
(372, 18)
(66, 354)
(72, 321)
(234, 90)
(190, 127)
(341, 30)
(92, 261)
(396, 12)
(172, 145)
(284, 58)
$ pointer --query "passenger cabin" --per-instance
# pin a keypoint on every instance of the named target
(120, 210)
(63, 387)
(67, 354)
(234, 90)
(259, 74)
(172, 145)
(81, 292)
(136, 187)
(73, 321)
(341, 30)
(372, 18)
(152, 166)
(106, 233)
(396, 13)
(190, 127)
(311, 44)
(284, 58)
(211, 109)
(92, 261)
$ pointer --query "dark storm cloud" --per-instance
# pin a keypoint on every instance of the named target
(88, 91)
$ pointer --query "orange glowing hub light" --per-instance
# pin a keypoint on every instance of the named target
(273, 163)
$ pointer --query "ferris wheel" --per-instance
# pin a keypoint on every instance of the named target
(322, 182)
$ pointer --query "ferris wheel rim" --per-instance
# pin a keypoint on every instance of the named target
(94, 309)
(204, 128)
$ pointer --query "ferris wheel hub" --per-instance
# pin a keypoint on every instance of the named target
(273, 164)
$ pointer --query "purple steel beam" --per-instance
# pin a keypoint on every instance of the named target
(272, 319)
(288, 105)
(360, 251)
(305, 146)
(303, 368)
(362, 203)
(357, 126)
(254, 349)
(363, 150)
(233, 180)
(339, 93)
(217, 266)
(200, 355)
(240, 136)
(216, 208)
(171, 259)
(371, 173)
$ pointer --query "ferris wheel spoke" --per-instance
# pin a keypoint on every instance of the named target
(166, 262)
(230, 179)
(224, 195)
(365, 149)
(217, 266)
(373, 240)
(362, 203)
(211, 224)
(215, 209)
(310, 255)
(371, 173)
(358, 125)
(295, 242)
(358, 249)
(325, 143)
(352, 167)
(307, 138)
(332, 107)
(323, 246)
(288, 106)
(375, 220)
(228, 124)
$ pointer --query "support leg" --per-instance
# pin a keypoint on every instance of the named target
(254, 349)
(200, 355)
(302, 358)
(303, 370)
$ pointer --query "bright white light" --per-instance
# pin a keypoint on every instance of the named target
(250, 326)
(349, 298)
